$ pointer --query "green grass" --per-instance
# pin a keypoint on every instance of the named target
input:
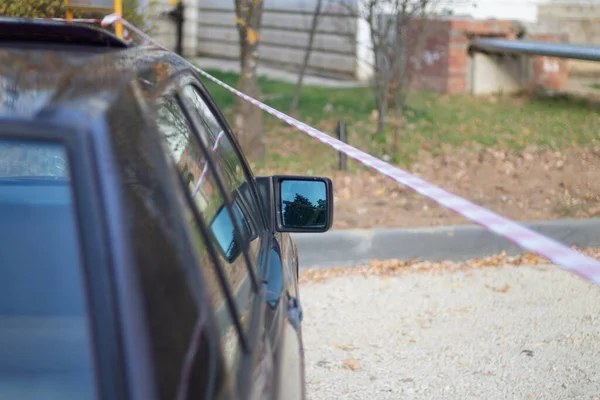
(595, 86)
(432, 123)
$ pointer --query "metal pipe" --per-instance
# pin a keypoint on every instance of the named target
(538, 48)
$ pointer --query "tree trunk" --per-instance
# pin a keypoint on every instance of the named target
(249, 118)
(311, 37)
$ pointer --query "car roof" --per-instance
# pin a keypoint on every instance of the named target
(78, 67)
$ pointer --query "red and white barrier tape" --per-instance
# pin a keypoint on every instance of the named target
(559, 254)
(205, 169)
(556, 252)
(77, 20)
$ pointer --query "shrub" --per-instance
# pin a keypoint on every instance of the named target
(57, 9)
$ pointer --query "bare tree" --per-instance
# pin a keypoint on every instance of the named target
(309, 46)
(397, 37)
(248, 118)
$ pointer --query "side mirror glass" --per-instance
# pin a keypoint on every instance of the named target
(223, 231)
(305, 204)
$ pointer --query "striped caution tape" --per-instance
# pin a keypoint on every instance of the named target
(556, 252)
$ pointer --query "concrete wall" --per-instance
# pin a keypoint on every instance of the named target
(498, 73)
(509, 73)
(580, 21)
(285, 33)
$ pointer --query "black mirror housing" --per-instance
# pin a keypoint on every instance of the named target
(302, 203)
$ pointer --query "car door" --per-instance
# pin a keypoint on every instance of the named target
(279, 283)
(234, 233)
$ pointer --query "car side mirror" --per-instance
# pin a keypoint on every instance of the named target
(303, 203)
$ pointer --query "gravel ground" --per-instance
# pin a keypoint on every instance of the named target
(490, 333)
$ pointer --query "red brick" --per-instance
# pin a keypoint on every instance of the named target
(459, 25)
(456, 85)
(432, 83)
(458, 70)
(447, 41)
(550, 72)
(503, 26)
(458, 60)
(462, 44)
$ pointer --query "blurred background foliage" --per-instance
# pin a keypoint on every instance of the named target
(57, 9)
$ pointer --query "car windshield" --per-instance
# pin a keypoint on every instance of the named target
(45, 344)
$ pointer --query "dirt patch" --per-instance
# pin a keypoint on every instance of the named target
(534, 184)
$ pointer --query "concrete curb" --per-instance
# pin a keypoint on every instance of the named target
(454, 243)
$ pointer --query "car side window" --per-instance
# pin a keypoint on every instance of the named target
(200, 181)
(47, 347)
(228, 162)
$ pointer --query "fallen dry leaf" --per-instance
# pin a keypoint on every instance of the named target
(343, 347)
(351, 363)
(374, 115)
(396, 267)
(594, 211)
(503, 289)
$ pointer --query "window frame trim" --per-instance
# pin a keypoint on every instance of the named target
(170, 89)
(212, 168)
(229, 297)
(249, 176)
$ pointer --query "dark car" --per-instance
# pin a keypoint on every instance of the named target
(139, 256)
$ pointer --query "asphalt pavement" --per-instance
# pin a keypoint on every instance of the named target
(453, 243)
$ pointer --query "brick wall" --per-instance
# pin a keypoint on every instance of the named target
(438, 51)
(550, 72)
(438, 58)
(461, 32)
(427, 54)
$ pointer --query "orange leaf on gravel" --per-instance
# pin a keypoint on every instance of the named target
(351, 363)
(396, 267)
(503, 289)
